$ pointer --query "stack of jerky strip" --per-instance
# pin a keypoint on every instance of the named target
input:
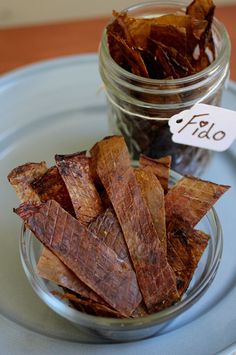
(171, 46)
(118, 241)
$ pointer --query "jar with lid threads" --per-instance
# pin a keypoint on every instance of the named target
(139, 107)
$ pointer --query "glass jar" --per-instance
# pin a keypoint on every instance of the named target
(139, 108)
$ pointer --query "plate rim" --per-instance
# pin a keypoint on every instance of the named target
(45, 65)
(13, 77)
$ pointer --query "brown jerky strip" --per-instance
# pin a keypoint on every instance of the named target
(102, 310)
(154, 196)
(75, 171)
(184, 252)
(51, 186)
(51, 268)
(131, 56)
(137, 30)
(154, 69)
(155, 276)
(186, 203)
(88, 306)
(159, 167)
(180, 34)
(203, 10)
(22, 176)
(94, 176)
(107, 228)
(90, 259)
(134, 31)
(183, 22)
(170, 36)
(180, 63)
(164, 60)
(123, 25)
(190, 199)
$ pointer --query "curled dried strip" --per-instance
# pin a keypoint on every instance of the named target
(186, 203)
(155, 277)
(90, 259)
(203, 10)
(184, 35)
(170, 36)
(51, 186)
(51, 268)
(75, 171)
(34, 182)
(153, 194)
(130, 57)
(137, 30)
(159, 167)
(185, 249)
(107, 228)
(153, 67)
(189, 200)
(22, 177)
(181, 64)
(88, 306)
(164, 60)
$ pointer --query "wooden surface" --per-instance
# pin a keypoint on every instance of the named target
(24, 45)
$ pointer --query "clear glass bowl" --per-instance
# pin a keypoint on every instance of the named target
(118, 330)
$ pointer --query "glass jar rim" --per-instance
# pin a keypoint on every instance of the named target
(209, 70)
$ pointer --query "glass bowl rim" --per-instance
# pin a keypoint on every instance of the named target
(154, 319)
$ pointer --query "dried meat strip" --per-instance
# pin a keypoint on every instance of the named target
(88, 306)
(37, 175)
(155, 276)
(159, 167)
(185, 249)
(203, 10)
(22, 177)
(51, 268)
(133, 30)
(154, 196)
(89, 258)
(75, 171)
(107, 228)
(180, 63)
(137, 30)
(130, 57)
(164, 60)
(186, 203)
(190, 199)
(170, 36)
(51, 186)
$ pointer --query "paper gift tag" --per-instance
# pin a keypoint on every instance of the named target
(204, 126)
